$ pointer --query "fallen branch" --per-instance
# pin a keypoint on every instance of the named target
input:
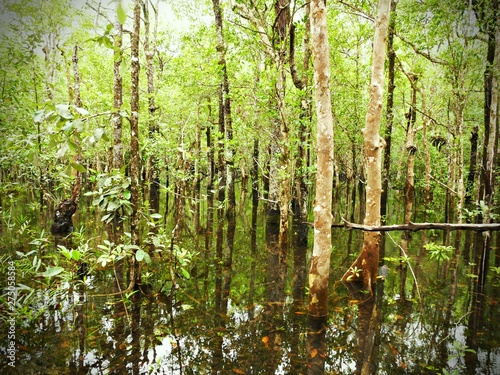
(413, 227)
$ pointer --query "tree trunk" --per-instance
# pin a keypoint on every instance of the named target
(391, 59)
(226, 148)
(116, 230)
(301, 163)
(210, 196)
(117, 98)
(409, 198)
(362, 275)
(320, 261)
(63, 215)
(491, 150)
(135, 160)
(149, 51)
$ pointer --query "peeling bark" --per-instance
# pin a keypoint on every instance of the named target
(363, 272)
(320, 261)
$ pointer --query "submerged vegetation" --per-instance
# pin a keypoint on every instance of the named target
(177, 196)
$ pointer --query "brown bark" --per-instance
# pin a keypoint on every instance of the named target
(409, 198)
(320, 261)
(367, 262)
(491, 150)
(282, 9)
(117, 98)
(226, 150)
(115, 232)
(63, 222)
(77, 186)
(419, 226)
(391, 60)
(134, 143)
(301, 163)
(149, 52)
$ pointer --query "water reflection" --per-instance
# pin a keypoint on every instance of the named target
(261, 325)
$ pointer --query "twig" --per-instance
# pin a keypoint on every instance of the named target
(407, 260)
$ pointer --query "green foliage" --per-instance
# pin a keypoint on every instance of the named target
(112, 196)
(439, 252)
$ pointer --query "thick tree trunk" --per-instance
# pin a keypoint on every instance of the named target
(320, 261)
(362, 275)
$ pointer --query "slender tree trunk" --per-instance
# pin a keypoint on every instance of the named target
(491, 142)
(255, 208)
(411, 149)
(210, 195)
(77, 185)
(135, 160)
(221, 188)
(391, 59)
(117, 98)
(302, 162)
(117, 151)
(362, 275)
(227, 148)
(320, 261)
(427, 184)
(63, 222)
(149, 51)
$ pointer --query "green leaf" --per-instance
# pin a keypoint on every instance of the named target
(122, 16)
(107, 217)
(82, 111)
(156, 241)
(185, 273)
(68, 126)
(78, 125)
(52, 271)
(139, 255)
(112, 206)
(63, 111)
(78, 167)
(76, 255)
(39, 116)
(156, 216)
(62, 150)
(127, 194)
(98, 132)
(66, 253)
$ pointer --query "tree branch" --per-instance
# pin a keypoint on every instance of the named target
(417, 226)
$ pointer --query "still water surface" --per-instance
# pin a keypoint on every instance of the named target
(433, 323)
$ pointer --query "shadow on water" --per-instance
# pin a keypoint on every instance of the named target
(250, 317)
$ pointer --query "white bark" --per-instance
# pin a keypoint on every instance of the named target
(320, 262)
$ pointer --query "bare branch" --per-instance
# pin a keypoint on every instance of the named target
(413, 227)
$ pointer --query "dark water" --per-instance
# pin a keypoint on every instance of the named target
(432, 324)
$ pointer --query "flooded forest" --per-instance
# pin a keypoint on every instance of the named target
(249, 187)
